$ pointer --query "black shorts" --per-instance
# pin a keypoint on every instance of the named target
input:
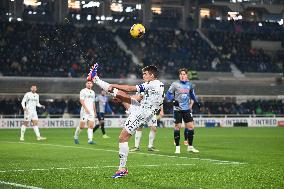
(101, 116)
(184, 115)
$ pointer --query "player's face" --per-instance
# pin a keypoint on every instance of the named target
(183, 76)
(147, 76)
(103, 93)
(89, 85)
(33, 89)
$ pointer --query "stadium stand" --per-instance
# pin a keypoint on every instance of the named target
(60, 106)
(31, 49)
(44, 51)
(168, 48)
(233, 39)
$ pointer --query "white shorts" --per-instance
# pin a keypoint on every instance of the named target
(30, 115)
(87, 117)
(153, 121)
(137, 116)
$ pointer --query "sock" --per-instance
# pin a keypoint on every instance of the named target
(77, 132)
(138, 135)
(186, 134)
(36, 130)
(123, 153)
(23, 130)
(102, 84)
(103, 128)
(152, 135)
(190, 136)
(90, 134)
(95, 128)
(177, 137)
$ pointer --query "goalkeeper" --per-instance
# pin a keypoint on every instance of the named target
(180, 93)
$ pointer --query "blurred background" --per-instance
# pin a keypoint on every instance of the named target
(234, 50)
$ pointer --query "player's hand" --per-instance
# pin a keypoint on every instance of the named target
(110, 88)
(116, 100)
(175, 103)
(87, 111)
(42, 106)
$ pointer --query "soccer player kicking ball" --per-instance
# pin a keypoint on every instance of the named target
(88, 112)
(180, 92)
(139, 113)
(29, 104)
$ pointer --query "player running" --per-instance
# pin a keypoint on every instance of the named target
(88, 112)
(180, 92)
(139, 112)
(29, 104)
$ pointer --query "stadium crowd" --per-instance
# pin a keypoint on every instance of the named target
(168, 48)
(233, 39)
(34, 49)
(31, 49)
(58, 107)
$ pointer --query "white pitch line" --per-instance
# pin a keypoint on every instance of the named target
(95, 167)
(19, 185)
(142, 153)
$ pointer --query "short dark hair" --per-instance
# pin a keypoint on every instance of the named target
(182, 70)
(151, 69)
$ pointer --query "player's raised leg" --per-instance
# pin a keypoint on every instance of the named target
(121, 95)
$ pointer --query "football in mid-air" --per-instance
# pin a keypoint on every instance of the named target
(137, 31)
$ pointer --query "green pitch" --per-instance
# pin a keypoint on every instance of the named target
(228, 158)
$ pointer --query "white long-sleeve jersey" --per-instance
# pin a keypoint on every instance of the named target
(31, 101)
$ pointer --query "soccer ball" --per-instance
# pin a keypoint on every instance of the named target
(137, 31)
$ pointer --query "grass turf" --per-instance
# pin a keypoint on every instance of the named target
(228, 158)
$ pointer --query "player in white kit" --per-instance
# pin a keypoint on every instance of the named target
(29, 104)
(139, 112)
(88, 112)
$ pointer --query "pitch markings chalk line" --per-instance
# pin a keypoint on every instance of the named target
(19, 185)
(141, 153)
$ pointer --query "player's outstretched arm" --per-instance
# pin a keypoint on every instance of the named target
(126, 88)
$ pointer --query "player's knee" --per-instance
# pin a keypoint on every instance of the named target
(121, 139)
(124, 136)
(177, 127)
(191, 125)
(154, 129)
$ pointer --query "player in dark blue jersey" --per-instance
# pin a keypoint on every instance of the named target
(103, 107)
(181, 92)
